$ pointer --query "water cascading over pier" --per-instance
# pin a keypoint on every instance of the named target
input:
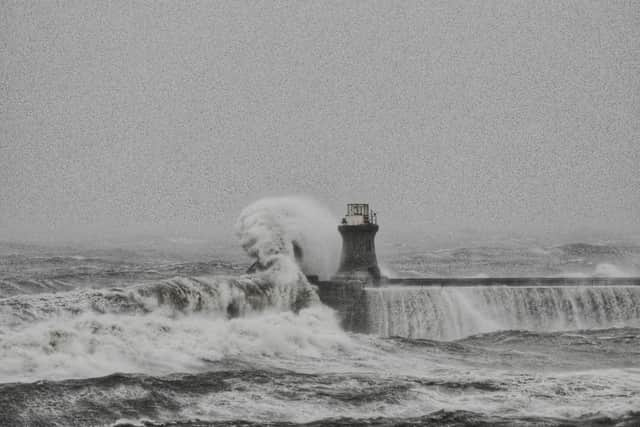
(452, 308)
(446, 313)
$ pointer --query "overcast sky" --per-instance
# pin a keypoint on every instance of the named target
(124, 117)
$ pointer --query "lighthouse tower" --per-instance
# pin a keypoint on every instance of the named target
(358, 229)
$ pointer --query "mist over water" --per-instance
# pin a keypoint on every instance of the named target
(117, 337)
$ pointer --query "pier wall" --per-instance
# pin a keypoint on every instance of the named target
(354, 300)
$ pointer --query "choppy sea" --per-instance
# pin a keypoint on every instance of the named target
(148, 337)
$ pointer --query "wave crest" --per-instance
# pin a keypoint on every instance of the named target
(226, 296)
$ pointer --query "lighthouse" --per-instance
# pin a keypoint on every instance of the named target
(358, 230)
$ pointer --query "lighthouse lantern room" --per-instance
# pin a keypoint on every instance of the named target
(358, 214)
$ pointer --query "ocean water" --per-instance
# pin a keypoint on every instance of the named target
(148, 337)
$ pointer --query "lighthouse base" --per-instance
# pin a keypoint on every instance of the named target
(348, 299)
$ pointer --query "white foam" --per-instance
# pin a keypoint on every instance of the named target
(93, 345)
(268, 228)
(179, 324)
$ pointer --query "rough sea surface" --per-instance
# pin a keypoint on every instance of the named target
(116, 337)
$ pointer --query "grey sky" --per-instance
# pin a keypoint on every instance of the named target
(120, 117)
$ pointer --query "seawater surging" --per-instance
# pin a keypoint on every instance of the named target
(183, 323)
(190, 348)
(457, 312)
(216, 295)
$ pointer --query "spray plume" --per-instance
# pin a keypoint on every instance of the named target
(284, 229)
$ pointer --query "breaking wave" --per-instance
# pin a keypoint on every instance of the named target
(183, 323)
(226, 296)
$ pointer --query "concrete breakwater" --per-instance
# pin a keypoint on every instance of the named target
(449, 308)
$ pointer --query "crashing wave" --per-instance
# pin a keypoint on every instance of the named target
(288, 237)
(227, 296)
(291, 228)
(185, 322)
